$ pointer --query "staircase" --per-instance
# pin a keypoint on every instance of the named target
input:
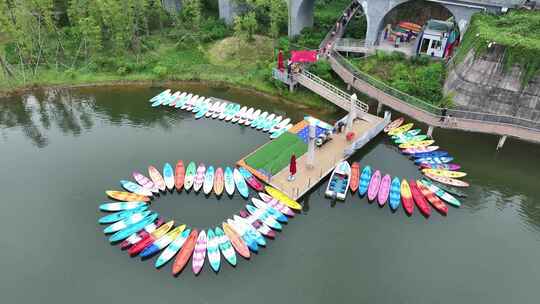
(329, 92)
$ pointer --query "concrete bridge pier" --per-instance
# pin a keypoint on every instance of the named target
(228, 10)
(379, 108)
(172, 6)
(300, 15)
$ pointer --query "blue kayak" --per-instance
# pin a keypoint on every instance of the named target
(430, 154)
(115, 217)
(434, 160)
(126, 232)
(365, 178)
(395, 193)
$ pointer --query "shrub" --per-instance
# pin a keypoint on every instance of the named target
(160, 71)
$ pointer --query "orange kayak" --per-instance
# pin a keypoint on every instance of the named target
(127, 196)
(419, 199)
(156, 177)
(185, 253)
(179, 175)
(406, 197)
(218, 182)
(355, 176)
(433, 199)
(238, 244)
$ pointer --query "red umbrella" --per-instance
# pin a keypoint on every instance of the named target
(280, 61)
(292, 165)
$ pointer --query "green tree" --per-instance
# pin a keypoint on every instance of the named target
(245, 26)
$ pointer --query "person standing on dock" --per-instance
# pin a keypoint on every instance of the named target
(292, 168)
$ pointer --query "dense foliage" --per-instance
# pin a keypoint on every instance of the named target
(517, 31)
(419, 76)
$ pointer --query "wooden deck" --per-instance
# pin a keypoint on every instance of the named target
(326, 158)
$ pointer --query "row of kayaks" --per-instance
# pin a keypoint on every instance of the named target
(435, 164)
(196, 177)
(202, 106)
(383, 188)
(143, 233)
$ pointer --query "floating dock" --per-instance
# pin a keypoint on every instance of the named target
(270, 162)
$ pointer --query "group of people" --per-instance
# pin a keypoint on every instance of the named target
(340, 24)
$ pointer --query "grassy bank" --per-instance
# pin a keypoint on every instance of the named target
(229, 61)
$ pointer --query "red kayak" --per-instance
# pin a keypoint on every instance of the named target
(419, 199)
(185, 253)
(433, 199)
(141, 235)
(355, 176)
(180, 173)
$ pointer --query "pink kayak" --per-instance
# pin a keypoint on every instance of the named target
(374, 184)
(420, 150)
(145, 182)
(274, 203)
(384, 190)
(257, 224)
(199, 254)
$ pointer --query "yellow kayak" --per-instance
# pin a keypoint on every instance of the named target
(417, 144)
(282, 197)
(401, 129)
(445, 173)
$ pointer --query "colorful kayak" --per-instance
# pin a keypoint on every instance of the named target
(225, 111)
(274, 203)
(168, 176)
(419, 199)
(246, 116)
(432, 198)
(239, 114)
(416, 144)
(437, 153)
(401, 129)
(203, 109)
(406, 197)
(450, 166)
(160, 95)
(121, 206)
(232, 112)
(183, 101)
(266, 122)
(236, 241)
(272, 124)
(240, 183)
(178, 99)
(248, 239)
(374, 185)
(338, 185)
(212, 249)
(355, 176)
(173, 248)
(283, 198)
(138, 236)
(117, 216)
(420, 150)
(199, 177)
(261, 119)
(229, 181)
(395, 194)
(156, 178)
(441, 193)
(124, 233)
(449, 189)
(179, 175)
(185, 252)
(215, 106)
(280, 125)
(445, 173)
(135, 188)
(219, 182)
(447, 180)
(253, 117)
(127, 196)
(225, 246)
(384, 190)
(365, 179)
(412, 132)
(251, 179)
(411, 139)
(280, 132)
(434, 160)
(257, 236)
(261, 227)
(209, 180)
(158, 233)
(272, 211)
(145, 182)
(190, 175)
(394, 124)
(199, 253)
(264, 216)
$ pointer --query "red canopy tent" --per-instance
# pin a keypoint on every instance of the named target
(303, 56)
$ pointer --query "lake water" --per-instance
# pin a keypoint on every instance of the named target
(61, 150)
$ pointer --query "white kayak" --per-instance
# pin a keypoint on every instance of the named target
(172, 249)
(212, 109)
(247, 116)
(219, 110)
(160, 95)
(189, 102)
(240, 114)
(253, 117)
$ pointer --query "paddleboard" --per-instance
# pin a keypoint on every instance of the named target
(183, 101)
(117, 216)
(240, 183)
(212, 249)
(246, 116)
(162, 242)
(124, 233)
(172, 249)
(127, 196)
(208, 180)
(229, 181)
(212, 109)
(158, 233)
(219, 182)
(160, 95)
(225, 246)
(145, 182)
(190, 175)
(253, 117)
(239, 114)
(156, 178)
(281, 125)
(280, 132)
(199, 177)
(266, 122)
(236, 241)
(248, 239)
(219, 110)
(121, 206)
(180, 173)
(135, 188)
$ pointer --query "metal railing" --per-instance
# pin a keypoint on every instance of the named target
(349, 44)
(346, 97)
